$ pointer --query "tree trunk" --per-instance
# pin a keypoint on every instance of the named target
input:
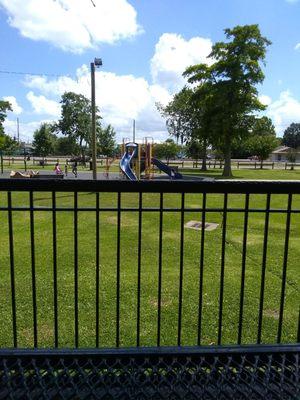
(227, 173)
(204, 156)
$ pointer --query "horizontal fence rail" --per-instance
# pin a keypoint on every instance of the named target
(118, 264)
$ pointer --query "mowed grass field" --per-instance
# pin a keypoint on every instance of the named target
(149, 270)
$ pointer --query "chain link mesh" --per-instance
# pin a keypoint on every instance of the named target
(140, 376)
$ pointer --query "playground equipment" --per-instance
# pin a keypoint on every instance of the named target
(131, 150)
(137, 158)
(172, 172)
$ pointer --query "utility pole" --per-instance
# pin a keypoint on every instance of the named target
(96, 63)
(18, 131)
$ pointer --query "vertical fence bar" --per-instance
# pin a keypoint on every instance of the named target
(201, 268)
(33, 272)
(181, 270)
(285, 259)
(298, 333)
(76, 269)
(222, 273)
(161, 205)
(118, 272)
(12, 270)
(243, 273)
(97, 268)
(263, 269)
(139, 271)
(54, 245)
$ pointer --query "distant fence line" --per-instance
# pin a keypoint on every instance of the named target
(186, 163)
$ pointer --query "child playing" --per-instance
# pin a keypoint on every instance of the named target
(57, 169)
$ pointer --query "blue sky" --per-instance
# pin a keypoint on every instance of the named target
(145, 46)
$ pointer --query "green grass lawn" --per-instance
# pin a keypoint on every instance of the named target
(149, 270)
(258, 174)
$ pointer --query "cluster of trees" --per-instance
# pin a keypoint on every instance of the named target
(218, 108)
(7, 144)
(168, 149)
(75, 127)
(71, 134)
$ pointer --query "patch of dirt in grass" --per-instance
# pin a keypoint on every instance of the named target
(45, 332)
(164, 303)
(271, 313)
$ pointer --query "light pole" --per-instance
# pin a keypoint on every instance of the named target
(96, 63)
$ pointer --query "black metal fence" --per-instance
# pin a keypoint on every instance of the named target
(134, 264)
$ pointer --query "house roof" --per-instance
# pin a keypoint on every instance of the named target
(281, 149)
(284, 150)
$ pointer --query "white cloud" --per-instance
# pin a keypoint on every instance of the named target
(264, 99)
(284, 111)
(297, 47)
(26, 129)
(42, 105)
(173, 54)
(121, 98)
(15, 106)
(73, 25)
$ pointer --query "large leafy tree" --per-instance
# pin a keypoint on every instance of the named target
(4, 107)
(106, 143)
(178, 113)
(185, 118)
(228, 85)
(263, 126)
(75, 121)
(44, 140)
(7, 144)
(262, 146)
(194, 149)
(166, 150)
(66, 145)
(291, 136)
(262, 140)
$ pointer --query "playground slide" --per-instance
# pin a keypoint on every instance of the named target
(125, 162)
(173, 174)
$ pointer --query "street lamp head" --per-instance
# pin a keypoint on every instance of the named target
(98, 62)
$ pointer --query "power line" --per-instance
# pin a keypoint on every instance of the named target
(33, 74)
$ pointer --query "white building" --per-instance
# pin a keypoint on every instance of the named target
(281, 154)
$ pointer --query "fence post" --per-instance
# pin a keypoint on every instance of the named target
(1, 157)
(25, 164)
